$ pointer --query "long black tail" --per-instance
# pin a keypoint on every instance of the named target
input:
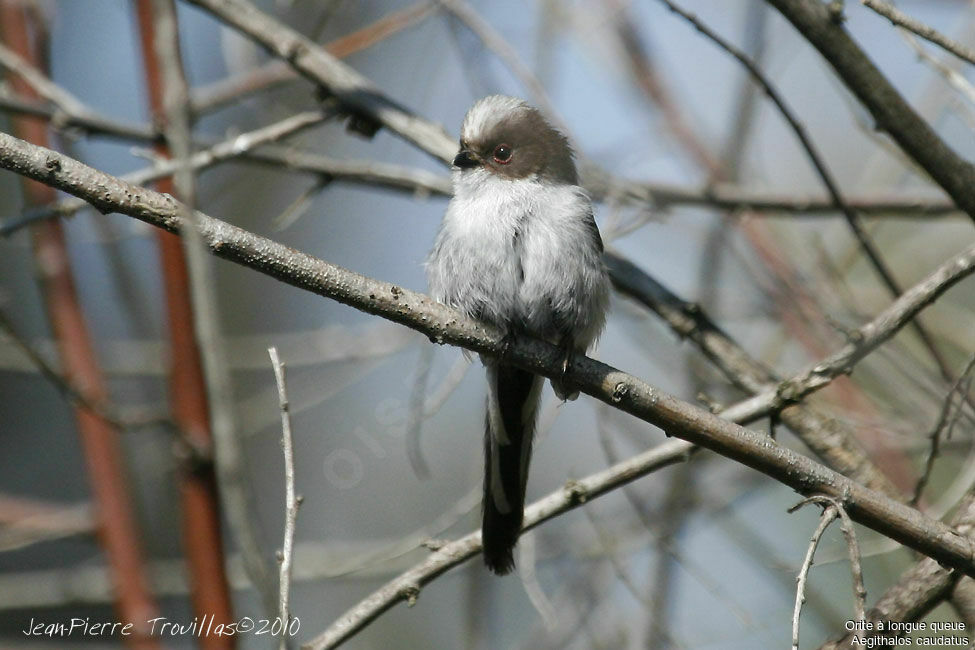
(512, 404)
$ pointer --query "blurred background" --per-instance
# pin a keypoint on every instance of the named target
(387, 428)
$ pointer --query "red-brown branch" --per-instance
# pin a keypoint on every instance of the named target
(117, 527)
(202, 539)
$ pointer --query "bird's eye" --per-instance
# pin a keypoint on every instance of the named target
(502, 154)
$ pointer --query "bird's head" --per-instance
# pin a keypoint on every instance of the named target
(512, 140)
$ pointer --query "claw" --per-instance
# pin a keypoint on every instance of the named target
(567, 348)
(559, 385)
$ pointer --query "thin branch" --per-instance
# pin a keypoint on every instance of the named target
(444, 325)
(73, 393)
(496, 43)
(446, 388)
(721, 196)
(299, 207)
(891, 112)
(68, 111)
(920, 588)
(71, 113)
(943, 425)
(406, 587)
(863, 340)
(223, 151)
(832, 188)
(839, 449)
(952, 76)
(192, 404)
(232, 89)
(900, 19)
(852, 547)
(417, 414)
(25, 522)
(829, 514)
(291, 501)
(353, 91)
(668, 525)
(529, 582)
(40, 83)
(89, 122)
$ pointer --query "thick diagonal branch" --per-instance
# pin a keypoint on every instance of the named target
(444, 325)
(891, 112)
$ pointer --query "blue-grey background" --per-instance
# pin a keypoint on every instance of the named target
(733, 561)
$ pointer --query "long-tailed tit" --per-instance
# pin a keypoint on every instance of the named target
(518, 248)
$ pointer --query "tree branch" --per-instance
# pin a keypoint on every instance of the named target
(444, 325)
(892, 113)
(819, 164)
(921, 587)
(572, 495)
(352, 90)
(900, 19)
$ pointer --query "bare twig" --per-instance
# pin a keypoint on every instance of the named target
(529, 581)
(40, 83)
(225, 91)
(840, 450)
(829, 514)
(832, 188)
(672, 518)
(951, 75)
(198, 369)
(890, 110)
(721, 196)
(300, 205)
(24, 522)
(449, 384)
(852, 547)
(71, 113)
(68, 111)
(943, 425)
(226, 150)
(417, 414)
(353, 91)
(88, 122)
(495, 42)
(406, 587)
(863, 340)
(920, 588)
(73, 393)
(102, 452)
(900, 19)
(442, 324)
(291, 501)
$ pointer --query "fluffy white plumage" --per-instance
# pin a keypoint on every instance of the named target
(518, 247)
(517, 250)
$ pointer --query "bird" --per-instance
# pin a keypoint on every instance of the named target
(518, 248)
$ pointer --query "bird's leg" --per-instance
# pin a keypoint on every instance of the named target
(506, 342)
(567, 346)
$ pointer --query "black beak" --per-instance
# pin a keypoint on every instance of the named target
(464, 160)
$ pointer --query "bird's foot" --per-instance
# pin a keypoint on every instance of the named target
(568, 348)
(507, 342)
